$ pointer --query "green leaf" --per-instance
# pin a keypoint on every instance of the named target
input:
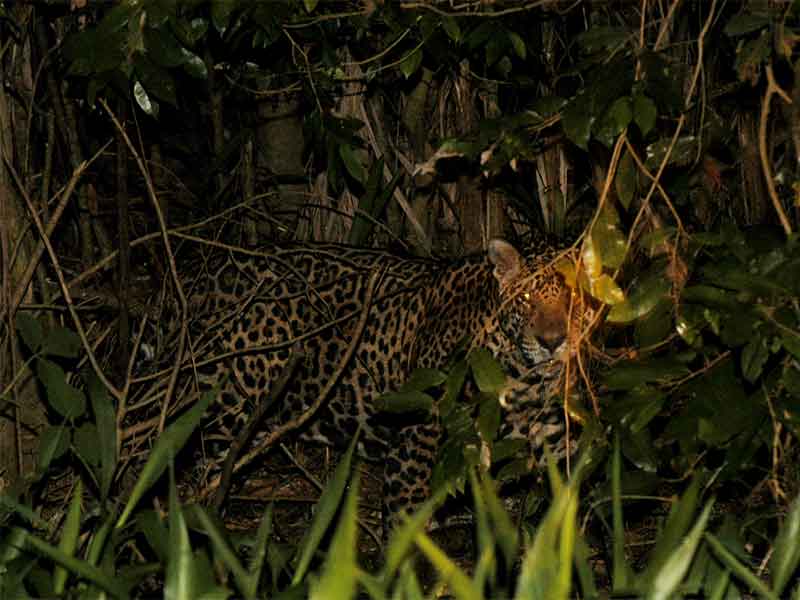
(645, 113)
(352, 163)
(683, 151)
(600, 38)
(81, 568)
(422, 379)
(614, 121)
(327, 507)
(338, 578)
(30, 330)
(362, 225)
(458, 582)
(786, 550)
(150, 524)
(451, 28)
(487, 371)
(310, 5)
(156, 80)
(85, 442)
(410, 63)
(69, 537)
(402, 537)
(65, 399)
(143, 99)
(194, 65)
(455, 383)
(739, 569)
(518, 43)
(641, 300)
(488, 417)
(609, 242)
(260, 548)
(106, 424)
(605, 289)
(221, 11)
(745, 22)
(622, 574)
(626, 376)
(404, 402)
(190, 32)
(503, 528)
(222, 549)
(166, 447)
(627, 180)
(61, 341)
(677, 524)
(53, 444)
(754, 357)
(791, 381)
(577, 120)
(180, 582)
(665, 582)
(162, 47)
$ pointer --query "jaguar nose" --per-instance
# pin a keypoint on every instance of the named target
(552, 342)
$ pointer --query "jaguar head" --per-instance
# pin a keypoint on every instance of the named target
(540, 314)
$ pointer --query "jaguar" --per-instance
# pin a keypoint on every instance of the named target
(360, 322)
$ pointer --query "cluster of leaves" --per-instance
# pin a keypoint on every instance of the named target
(191, 554)
(471, 425)
(90, 435)
(717, 372)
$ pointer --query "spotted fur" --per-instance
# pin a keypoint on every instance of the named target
(251, 309)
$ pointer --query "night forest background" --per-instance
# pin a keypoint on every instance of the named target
(658, 139)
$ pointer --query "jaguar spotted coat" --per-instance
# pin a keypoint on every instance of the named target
(253, 308)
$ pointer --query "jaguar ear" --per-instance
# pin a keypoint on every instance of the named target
(506, 260)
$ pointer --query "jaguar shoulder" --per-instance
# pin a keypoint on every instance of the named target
(252, 308)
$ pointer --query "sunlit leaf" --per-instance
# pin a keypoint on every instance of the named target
(410, 63)
(605, 289)
(338, 578)
(641, 300)
(143, 99)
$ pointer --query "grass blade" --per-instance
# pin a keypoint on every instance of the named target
(69, 538)
(326, 509)
(166, 447)
(666, 581)
(78, 567)
(738, 569)
(338, 579)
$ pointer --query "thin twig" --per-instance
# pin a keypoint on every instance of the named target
(183, 304)
(772, 89)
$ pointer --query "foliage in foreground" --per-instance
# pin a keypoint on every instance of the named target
(129, 550)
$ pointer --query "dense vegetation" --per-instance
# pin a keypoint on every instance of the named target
(661, 140)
